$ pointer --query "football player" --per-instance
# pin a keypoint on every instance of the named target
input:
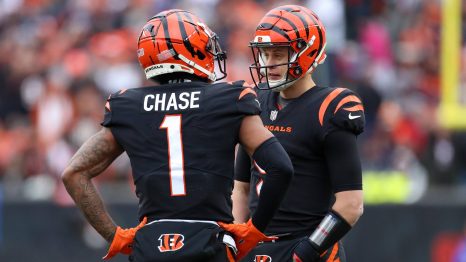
(180, 136)
(318, 127)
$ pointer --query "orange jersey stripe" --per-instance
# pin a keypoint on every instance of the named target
(334, 253)
(245, 92)
(323, 254)
(354, 108)
(347, 100)
(246, 84)
(326, 102)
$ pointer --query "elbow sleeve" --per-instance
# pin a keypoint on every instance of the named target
(242, 166)
(271, 157)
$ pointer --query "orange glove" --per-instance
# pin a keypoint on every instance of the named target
(123, 240)
(246, 237)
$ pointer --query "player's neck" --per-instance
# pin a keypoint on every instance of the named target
(298, 88)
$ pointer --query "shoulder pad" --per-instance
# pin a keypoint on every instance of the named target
(117, 94)
(240, 83)
(247, 100)
(107, 121)
(246, 88)
(342, 109)
(111, 97)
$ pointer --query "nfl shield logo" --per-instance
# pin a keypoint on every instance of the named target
(273, 115)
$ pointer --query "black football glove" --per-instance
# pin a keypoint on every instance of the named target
(305, 252)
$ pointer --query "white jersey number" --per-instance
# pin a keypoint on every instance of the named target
(175, 154)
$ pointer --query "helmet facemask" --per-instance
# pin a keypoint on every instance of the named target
(214, 48)
(260, 71)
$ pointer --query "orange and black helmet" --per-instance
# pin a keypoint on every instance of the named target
(297, 28)
(179, 43)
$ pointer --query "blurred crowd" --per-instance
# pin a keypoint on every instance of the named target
(59, 60)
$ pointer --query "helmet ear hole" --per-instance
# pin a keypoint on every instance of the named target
(300, 44)
(297, 71)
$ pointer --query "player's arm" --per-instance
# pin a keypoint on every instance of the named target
(94, 156)
(270, 155)
(349, 204)
(240, 194)
(240, 199)
(342, 158)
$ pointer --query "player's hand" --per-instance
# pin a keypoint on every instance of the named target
(123, 240)
(305, 252)
(246, 236)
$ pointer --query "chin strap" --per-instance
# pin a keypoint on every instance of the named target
(167, 68)
(210, 75)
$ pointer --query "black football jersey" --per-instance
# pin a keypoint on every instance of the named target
(301, 127)
(180, 139)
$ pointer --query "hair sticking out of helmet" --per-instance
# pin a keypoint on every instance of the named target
(176, 44)
(296, 28)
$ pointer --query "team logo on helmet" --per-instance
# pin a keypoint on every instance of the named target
(262, 258)
(170, 242)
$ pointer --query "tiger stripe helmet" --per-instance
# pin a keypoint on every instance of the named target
(297, 28)
(177, 41)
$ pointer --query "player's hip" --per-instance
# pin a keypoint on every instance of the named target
(181, 240)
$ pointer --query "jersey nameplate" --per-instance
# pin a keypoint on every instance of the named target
(171, 101)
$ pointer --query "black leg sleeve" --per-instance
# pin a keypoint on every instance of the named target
(271, 157)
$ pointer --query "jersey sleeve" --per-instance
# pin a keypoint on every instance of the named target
(344, 165)
(345, 112)
(107, 121)
(247, 102)
(110, 107)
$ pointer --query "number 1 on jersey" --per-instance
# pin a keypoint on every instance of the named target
(175, 154)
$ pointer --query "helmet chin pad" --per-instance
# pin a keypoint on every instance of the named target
(280, 85)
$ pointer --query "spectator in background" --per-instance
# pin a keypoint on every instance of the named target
(460, 252)
(391, 52)
(332, 13)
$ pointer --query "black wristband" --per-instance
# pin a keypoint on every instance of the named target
(332, 228)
